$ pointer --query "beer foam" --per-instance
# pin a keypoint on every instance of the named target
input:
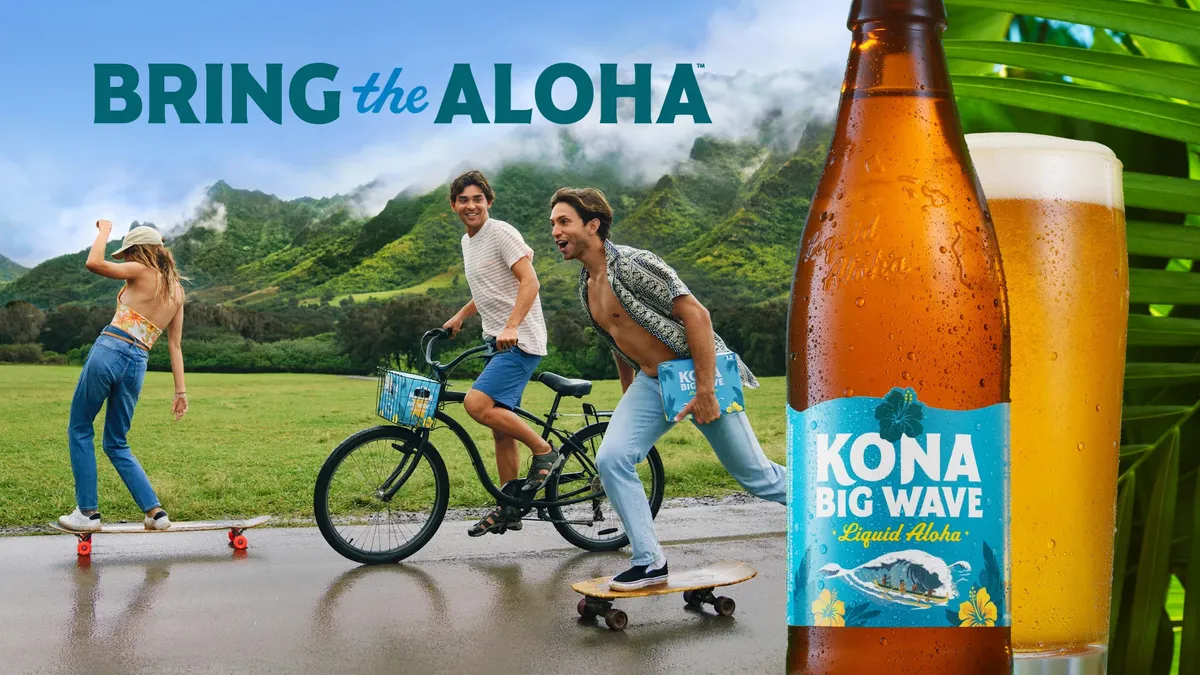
(1033, 166)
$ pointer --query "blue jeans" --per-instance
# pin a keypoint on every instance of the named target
(636, 424)
(113, 372)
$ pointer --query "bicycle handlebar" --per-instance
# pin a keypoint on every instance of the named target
(441, 369)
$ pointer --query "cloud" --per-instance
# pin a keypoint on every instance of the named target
(759, 56)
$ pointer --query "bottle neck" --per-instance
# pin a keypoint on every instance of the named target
(897, 59)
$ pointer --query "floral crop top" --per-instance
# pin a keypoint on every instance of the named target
(135, 324)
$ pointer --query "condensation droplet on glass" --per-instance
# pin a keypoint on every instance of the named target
(813, 426)
(859, 302)
(824, 549)
(820, 585)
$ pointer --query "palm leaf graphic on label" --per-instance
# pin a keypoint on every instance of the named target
(858, 615)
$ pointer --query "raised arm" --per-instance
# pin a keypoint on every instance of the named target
(97, 264)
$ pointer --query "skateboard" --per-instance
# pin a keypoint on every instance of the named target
(236, 539)
(696, 585)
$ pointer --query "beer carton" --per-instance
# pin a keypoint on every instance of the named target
(677, 380)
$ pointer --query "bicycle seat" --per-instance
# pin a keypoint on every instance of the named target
(565, 385)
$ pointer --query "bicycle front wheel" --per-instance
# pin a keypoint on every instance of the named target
(375, 502)
(592, 524)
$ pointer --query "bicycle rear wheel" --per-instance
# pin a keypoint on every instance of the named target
(593, 524)
(362, 512)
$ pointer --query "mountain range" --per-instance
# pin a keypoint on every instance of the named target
(10, 270)
(728, 217)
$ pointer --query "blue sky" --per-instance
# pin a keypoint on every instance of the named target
(59, 171)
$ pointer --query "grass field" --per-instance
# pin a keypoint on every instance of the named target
(253, 444)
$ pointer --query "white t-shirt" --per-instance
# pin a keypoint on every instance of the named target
(488, 258)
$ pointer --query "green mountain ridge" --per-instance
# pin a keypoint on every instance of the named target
(9, 270)
(728, 217)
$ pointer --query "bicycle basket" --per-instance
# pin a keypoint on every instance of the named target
(406, 399)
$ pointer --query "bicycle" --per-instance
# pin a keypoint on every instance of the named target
(573, 501)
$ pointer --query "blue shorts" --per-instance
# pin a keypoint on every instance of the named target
(505, 376)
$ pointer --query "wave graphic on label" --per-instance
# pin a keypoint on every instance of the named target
(914, 578)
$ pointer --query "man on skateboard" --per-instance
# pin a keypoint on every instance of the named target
(504, 292)
(646, 314)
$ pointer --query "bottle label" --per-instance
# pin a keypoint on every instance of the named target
(897, 514)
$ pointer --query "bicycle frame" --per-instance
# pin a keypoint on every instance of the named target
(441, 372)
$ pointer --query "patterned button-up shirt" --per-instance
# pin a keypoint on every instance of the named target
(647, 287)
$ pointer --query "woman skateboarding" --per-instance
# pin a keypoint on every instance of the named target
(116, 365)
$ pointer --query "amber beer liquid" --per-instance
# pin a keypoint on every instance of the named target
(1058, 206)
(898, 392)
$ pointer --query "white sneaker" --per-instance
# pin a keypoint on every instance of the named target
(160, 521)
(80, 523)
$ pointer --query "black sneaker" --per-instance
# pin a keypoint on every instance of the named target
(639, 576)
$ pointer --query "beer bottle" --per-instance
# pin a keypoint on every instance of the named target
(898, 366)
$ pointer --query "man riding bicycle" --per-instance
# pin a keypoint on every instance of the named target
(498, 266)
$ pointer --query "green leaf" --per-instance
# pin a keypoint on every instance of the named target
(1165, 331)
(1162, 240)
(1153, 577)
(1125, 505)
(1164, 287)
(1189, 652)
(1162, 193)
(1164, 23)
(968, 23)
(1163, 78)
(1129, 111)
(1146, 375)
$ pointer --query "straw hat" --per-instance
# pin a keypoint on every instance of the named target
(139, 235)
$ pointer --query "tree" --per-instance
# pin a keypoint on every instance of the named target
(20, 323)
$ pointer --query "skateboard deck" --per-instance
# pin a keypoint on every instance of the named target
(236, 539)
(696, 585)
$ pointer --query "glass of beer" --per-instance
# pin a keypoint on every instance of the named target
(1058, 211)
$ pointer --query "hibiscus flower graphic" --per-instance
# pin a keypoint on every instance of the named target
(900, 414)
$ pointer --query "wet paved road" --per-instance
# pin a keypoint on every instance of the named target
(185, 603)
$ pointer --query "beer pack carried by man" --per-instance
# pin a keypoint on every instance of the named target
(647, 315)
(498, 266)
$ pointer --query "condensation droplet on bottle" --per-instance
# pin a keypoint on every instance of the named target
(1050, 543)
(820, 585)
(906, 375)
(1080, 446)
(813, 426)
(942, 249)
(883, 641)
(859, 302)
(912, 356)
(847, 392)
(982, 382)
(1097, 407)
(1053, 356)
(824, 549)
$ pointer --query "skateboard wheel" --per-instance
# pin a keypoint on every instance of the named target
(582, 608)
(84, 548)
(615, 619)
(725, 606)
(240, 543)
